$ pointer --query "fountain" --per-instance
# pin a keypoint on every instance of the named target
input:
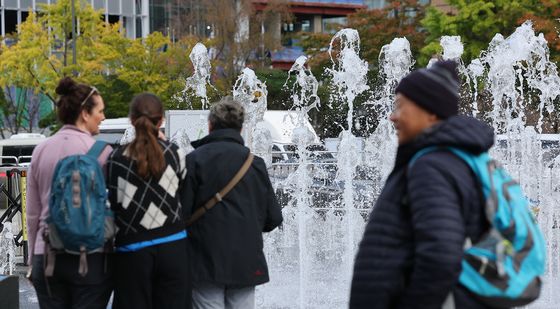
(349, 80)
(7, 250)
(197, 84)
(201, 76)
(252, 94)
(323, 236)
(310, 257)
(518, 69)
(395, 61)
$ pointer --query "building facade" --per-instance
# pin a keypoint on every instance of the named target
(133, 14)
(440, 4)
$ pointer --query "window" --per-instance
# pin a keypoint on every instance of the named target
(11, 4)
(127, 8)
(306, 25)
(24, 16)
(11, 21)
(113, 7)
(138, 7)
(113, 19)
(138, 27)
(100, 4)
(26, 4)
(375, 4)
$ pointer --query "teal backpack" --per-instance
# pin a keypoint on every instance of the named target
(79, 220)
(503, 269)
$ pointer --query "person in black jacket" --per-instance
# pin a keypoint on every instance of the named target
(226, 243)
(410, 255)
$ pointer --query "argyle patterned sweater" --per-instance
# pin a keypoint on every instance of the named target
(146, 209)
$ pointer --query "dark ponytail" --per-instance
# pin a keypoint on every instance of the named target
(146, 110)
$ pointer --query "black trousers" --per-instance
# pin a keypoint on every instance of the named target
(68, 289)
(152, 277)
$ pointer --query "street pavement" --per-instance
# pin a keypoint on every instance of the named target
(27, 296)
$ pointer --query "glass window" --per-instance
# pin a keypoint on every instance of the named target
(138, 27)
(11, 21)
(157, 18)
(38, 2)
(127, 7)
(333, 24)
(138, 7)
(26, 4)
(114, 7)
(113, 19)
(100, 4)
(375, 4)
(24, 16)
(306, 25)
(11, 4)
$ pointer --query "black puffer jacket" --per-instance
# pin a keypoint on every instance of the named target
(410, 255)
(226, 243)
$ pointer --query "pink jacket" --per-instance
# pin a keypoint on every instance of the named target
(69, 140)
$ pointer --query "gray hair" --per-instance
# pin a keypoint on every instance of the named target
(226, 114)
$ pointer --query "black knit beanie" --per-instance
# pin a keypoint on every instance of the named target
(435, 89)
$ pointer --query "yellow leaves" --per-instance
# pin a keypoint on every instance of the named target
(42, 53)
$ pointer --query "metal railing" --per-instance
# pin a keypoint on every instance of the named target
(13, 192)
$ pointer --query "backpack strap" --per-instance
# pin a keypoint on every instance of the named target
(463, 155)
(220, 195)
(96, 149)
(83, 266)
(421, 153)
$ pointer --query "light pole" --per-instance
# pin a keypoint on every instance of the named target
(74, 37)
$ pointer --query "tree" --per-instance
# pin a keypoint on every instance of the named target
(476, 22)
(119, 67)
(377, 28)
(41, 55)
(546, 19)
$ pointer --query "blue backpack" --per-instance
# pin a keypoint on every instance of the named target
(503, 269)
(79, 220)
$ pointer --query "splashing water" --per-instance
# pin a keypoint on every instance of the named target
(201, 76)
(475, 71)
(7, 250)
(311, 256)
(182, 140)
(395, 62)
(349, 72)
(452, 47)
(517, 68)
(252, 94)
(514, 65)
(304, 96)
(128, 136)
(304, 92)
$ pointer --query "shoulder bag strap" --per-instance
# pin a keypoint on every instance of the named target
(222, 193)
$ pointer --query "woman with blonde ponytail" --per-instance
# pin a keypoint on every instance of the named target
(145, 177)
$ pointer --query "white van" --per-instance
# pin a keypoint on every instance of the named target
(284, 152)
(18, 148)
(112, 130)
(195, 122)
